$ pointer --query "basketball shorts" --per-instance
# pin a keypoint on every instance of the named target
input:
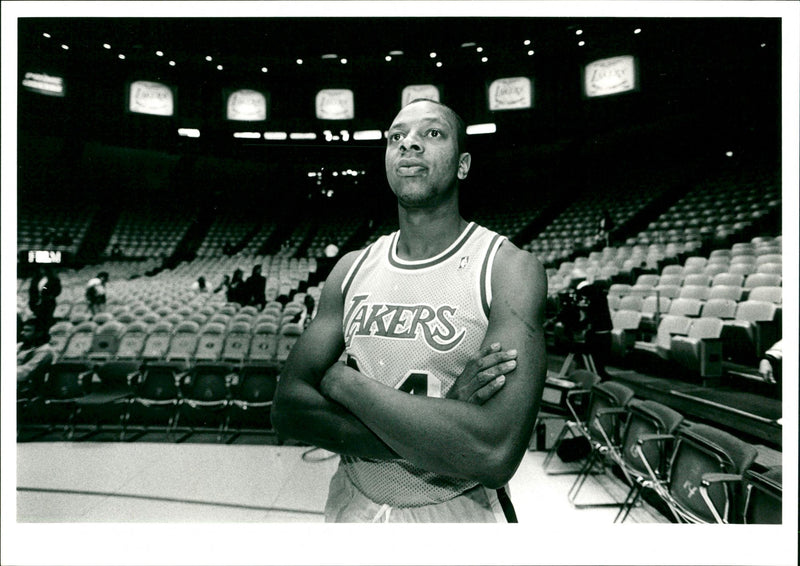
(346, 504)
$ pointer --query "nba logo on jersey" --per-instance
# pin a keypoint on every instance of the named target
(464, 261)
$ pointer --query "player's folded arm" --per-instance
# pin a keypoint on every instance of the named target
(300, 411)
(487, 442)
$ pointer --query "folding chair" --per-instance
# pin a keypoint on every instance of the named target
(645, 418)
(699, 450)
(204, 398)
(604, 395)
(107, 395)
(253, 391)
(63, 386)
(602, 428)
(155, 398)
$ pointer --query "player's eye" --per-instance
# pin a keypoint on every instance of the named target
(434, 133)
(396, 136)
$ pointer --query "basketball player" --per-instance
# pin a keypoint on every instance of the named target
(430, 414)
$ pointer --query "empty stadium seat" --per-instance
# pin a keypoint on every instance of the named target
(264, 345)
(210, 342)
(669, 326)
(700, 351)
(751, 332)
(685, 307)
(289, 334)
(237, 342)
(106, 341)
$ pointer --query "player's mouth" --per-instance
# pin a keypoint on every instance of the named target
(410, 168)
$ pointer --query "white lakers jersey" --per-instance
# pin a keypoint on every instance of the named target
(414, 325)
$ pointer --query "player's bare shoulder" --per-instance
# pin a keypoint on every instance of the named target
(517, 270)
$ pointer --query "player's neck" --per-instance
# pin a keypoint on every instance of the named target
(424, 233)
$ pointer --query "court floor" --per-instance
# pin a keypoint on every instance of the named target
(159, 482)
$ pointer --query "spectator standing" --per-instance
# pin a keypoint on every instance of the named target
(45, 288)
(96, 292)
(255, 287)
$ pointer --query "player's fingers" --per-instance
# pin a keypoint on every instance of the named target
(495, 358)
(489, 390)
(486, 376)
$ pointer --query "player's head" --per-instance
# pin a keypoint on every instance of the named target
(425, 157)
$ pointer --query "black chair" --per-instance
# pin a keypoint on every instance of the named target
(603, 396)
(762, 497)
(204, 399)
(603, 429)
(155, 398)
(699, 450)
(55, 406)
(251, 404)
(645, 418)
(108, 393)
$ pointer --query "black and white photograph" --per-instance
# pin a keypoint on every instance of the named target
(285, 270)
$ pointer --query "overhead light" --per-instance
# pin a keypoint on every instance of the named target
(438, 63)
(247, 135)
(264, 69)
(433, 55)
(578, 31)
(47, 35)
(343, 61)
(581, 43)
(479, 49)
(367, 135)
(481, 129)
(396, 52)
(121, 56)
(172, 63)
(209, 58)
(526, 42)
(330, 56)
(303, 136)
(275, 135)
(64, 46)
(219, 67)
(637, 30)
(299, 61)
(189, 132)
(484, 59)
(106, 46)
(468, 44)
(729, 153)
(531, 52)
(312, 174)
(160, 53)
(388, 58)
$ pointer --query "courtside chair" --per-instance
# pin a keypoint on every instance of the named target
(252, 395)
(645, 417)
(603, 426)
(204, 399)
(604, 395)
(575, 386)
(62, 387)
(156, 394)
(700, 450)
(763, 496)
(108, 391)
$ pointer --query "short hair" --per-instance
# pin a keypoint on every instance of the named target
(461, 127)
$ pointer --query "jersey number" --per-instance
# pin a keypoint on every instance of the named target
(418, 382)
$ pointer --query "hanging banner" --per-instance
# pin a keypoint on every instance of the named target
(147, 97)
(610, 76)
(247, 105)
(510, 93)
(335, 104)
(412, 92)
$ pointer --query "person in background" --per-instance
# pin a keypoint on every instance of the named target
(223, 285)
(96, 292)
(255, 288)
(34, 355)
(45, 288)
(200, 285)
(237, 290)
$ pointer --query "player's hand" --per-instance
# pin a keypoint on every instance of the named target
(484, 376)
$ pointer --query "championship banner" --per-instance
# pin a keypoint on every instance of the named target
(148, 97)
(510, 94)
(610, 76)
(335, 104)
(247, 105)
(412, 92)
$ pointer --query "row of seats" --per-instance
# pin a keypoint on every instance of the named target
(698, 473)
(203, 336)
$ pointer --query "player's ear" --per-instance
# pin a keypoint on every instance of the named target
(464, 161)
